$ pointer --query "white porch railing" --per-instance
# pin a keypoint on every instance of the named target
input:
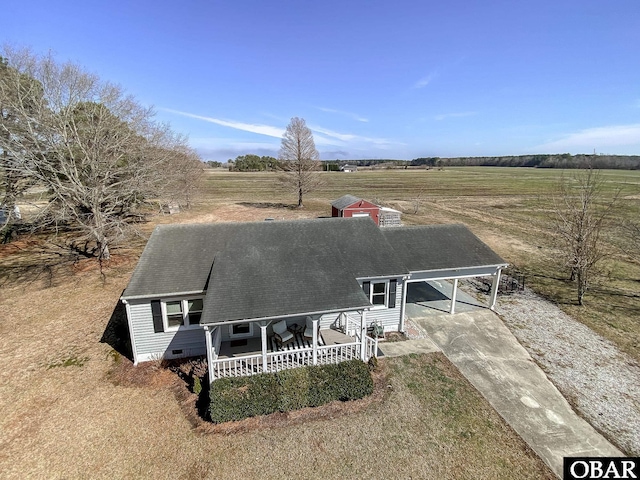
(349, 323)
(236, 367)
(332, 354)
(370, 347)
(277, 361)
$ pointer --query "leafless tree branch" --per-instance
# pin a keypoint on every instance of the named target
(299, 159)
(97, 151)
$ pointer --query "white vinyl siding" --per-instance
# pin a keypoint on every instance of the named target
(389, 318)
(151, 345)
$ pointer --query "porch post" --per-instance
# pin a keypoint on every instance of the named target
(363, 334)
(453, 296)
(403, 304)
(494, 289)
(207, 339)
(315, 341)
(263, 337)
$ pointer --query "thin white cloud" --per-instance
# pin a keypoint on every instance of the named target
(343, 138)
(215, 142)
(454, 115)
(426, 80)
(322, 136)
(355, 116)
(598, 138)
(267, 130)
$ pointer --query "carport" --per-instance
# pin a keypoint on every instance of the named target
(435, 297)
(447, 253)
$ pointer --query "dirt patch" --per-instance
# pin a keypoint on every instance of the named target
(395, 337)
(17, 247)
(245, 212)
(146, 375)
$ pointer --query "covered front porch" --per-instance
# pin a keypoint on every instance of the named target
(344, 340)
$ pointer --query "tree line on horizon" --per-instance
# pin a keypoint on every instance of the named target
(564, 160)
(256, 163)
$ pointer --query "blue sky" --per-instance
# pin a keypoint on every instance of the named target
(373, 79)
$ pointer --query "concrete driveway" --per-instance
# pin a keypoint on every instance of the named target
(490, 357)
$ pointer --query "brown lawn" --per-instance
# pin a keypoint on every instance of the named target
(70, 410)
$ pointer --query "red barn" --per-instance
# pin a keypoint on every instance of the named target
(350, 206)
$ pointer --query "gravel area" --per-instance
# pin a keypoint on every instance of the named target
(601, 382)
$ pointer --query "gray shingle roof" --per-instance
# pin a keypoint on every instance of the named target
(344, 201)
(438, 247)
(269, 269)
(178, 259)
(266, 269)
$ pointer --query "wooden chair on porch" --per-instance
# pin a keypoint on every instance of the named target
(308, 329)
(281, 334)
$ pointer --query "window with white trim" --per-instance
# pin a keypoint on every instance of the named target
(381, 293)
(378, 293)
(194, 311)
(174, 314)
(181, 313)
(241, 330)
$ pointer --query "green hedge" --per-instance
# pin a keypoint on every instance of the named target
(242, 397)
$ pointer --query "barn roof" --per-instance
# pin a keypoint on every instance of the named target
(344, 201)
(439, 247)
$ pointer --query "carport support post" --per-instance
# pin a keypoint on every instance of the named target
(453, 296)
(403, 304)
(315, 341)
(263, 337)
(494, 289)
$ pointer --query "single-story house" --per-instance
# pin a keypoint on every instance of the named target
(349, 168)
(5, 211)
(266, 296)
(350, 206)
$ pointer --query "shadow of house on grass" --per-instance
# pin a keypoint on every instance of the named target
(268, 205)
(116, 334)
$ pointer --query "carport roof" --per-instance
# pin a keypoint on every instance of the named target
(439, 247)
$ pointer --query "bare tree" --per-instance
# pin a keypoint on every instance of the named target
(299, 159)
(417, 200)
(582, 210)
(97, 151)
(15, 89)
(633, 230)
(185, 174)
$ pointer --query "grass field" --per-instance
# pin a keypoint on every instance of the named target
(65, 416)
(511, 209)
